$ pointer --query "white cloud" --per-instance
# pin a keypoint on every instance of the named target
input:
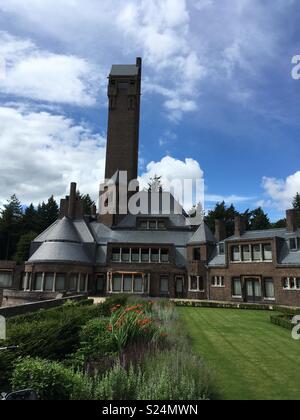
(228, 199)
(40, 75)
(281, 192)
(43, 153)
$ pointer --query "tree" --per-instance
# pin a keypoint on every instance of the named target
(30, 220)
(23, 247)
(87, 202)
(47, 213)
(10, 227)
(155, 184)
(222, 212)
(279, 224)
(296, 202)
(259, 220)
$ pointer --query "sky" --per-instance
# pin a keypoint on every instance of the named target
(219, 101)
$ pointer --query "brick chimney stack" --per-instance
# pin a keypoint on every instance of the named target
(72, 200)
(220, 230)
(239, 226)
(292, 220)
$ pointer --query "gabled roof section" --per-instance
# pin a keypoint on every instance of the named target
(202, 235)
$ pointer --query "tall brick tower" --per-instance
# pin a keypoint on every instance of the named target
(124, 92)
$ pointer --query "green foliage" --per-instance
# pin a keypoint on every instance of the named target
(23, 247)
(283, 321)
(296, 202)
(51, 380)
(47, 214)
(112, 301)
(96, 340)
(118, 384)
(222, 212)
(87, 202)
(259, 220)
(175, 375)
(10, 227)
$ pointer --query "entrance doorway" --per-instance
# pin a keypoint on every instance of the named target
(100, 284)
(253, 290)
(179, 286)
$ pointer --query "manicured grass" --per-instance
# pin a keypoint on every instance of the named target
(252, 358)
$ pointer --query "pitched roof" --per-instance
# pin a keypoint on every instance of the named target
(202, 235)
(124, 70)
(64, 231)
(60, 252)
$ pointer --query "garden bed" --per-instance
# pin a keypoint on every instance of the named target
(117, 350)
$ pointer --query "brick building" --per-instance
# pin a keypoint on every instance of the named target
(161, 254)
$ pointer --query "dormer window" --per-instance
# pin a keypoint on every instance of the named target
(294, 244)
(222, 248)
(152, 225)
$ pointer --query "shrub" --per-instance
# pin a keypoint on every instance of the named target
(175, 375)
(283, 321)
(51, 380)
(131, 324)
(112, 301)
(118, 384)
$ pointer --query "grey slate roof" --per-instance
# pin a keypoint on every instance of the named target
(124, 70)
(217, 260)
(64, 231)
(60, 252)
(265, 234)
(202, 235)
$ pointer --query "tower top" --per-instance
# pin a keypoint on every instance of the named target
(127, 70)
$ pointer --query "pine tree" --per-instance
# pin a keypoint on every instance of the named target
(10, 227)
(222, 212)
(87, 202)
(47, 213)
(155, 184)
(30, 220)
(259, 220)
(296, 202)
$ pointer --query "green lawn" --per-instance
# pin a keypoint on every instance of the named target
(252, 358)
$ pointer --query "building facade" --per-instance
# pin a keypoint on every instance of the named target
(157, 254)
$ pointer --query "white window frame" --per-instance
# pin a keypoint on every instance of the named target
(289, 281)
(198, 290)
(218, 282)
(252, 260)
(266, 279)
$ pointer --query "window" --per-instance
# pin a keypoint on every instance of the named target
(164, 285)
(49, 281)
(196, 284)
(196, 254)
(267, 252)
(38, 282)
(117, 283)
(269, 289)
(125, 255)
(246, 253)
(60, 284)
(256, 252)
(143, 225)
(155, 255)
(217, 281)
(24, 281)
(236, 256)
(73, 282)
(138, 284)
(6, 279)
(222, 248)
(145, 255)
(127, 283)
(291, 283)
(116, 255)
(135, 255)
(123, 85)
(293, 244)
(237, 287)
(82, 283)
(153, 225)
(161, 225)
(164, 257)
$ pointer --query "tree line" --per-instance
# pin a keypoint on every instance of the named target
(20, 225)
(255, 219)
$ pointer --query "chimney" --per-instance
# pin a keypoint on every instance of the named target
(139, 62)
(220, 230)
(93, 210)
(239, 226)
(292, 220)
(72, 200)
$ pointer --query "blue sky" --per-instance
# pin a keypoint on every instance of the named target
(218, 102)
